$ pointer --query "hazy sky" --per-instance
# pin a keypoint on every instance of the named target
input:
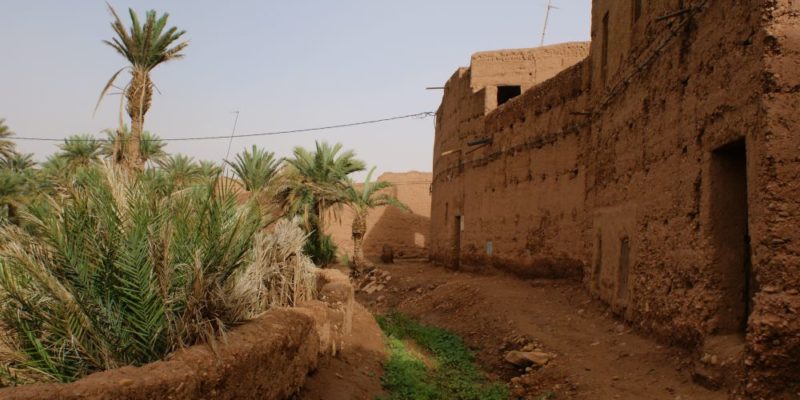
(283, 65)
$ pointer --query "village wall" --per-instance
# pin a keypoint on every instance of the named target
(406, 232)
(662, 169)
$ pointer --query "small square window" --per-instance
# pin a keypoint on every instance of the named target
(506, 93)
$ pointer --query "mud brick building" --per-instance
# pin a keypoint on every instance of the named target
(660, 164)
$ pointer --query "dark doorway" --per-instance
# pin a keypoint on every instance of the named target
(598, 261)
(457, 243)
(637, 10)
(604, 51)
(506, 93)
(731, 239)
(624, 269)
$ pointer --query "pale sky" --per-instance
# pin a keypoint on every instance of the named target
(282, 64)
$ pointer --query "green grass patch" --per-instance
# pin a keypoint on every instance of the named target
(454, 375)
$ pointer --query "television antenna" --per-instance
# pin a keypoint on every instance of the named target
(550, 7)
(233, 133)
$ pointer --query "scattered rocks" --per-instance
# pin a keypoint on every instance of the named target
(706, 377)
(372, 288)
(374, 281)
(528, 358)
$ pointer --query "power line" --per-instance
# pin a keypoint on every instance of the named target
(420, 115)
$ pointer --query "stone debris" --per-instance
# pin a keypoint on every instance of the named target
(373, 281)
(528, 358)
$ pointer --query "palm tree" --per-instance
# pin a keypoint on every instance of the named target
(151, 148)
(362, 200)
(255, 168)
(13, 188)
(80, 150)
(208, 169)
(145, 46)
(181, 170)
(55, 169)
(6, 146)
(317, 182)
(114, 274)
(18, 162)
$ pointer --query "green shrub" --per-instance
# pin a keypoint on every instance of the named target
(453, 376)
(114, 270)
(321, 248)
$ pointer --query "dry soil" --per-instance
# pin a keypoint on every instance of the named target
(595, 355)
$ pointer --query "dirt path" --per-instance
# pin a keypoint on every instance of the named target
(596, 357)
(355, 373)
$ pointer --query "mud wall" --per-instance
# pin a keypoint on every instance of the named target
(268, 358)
(774, 326)
(492, 197)
(406, 232)
(664, 168)
(653, 190)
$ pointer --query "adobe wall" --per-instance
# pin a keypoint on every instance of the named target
(774, 328)
(406, 232)
(267, 358)
(646, 168)
(650, 178)
(481, 184)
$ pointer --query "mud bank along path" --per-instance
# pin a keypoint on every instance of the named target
(355, 374)
(594, 355)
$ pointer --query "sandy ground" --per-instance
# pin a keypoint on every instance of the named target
(596, 356)
(355, 373)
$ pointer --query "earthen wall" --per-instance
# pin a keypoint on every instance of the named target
(663, 169)
(406, 232)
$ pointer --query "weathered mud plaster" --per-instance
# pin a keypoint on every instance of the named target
(660, 164)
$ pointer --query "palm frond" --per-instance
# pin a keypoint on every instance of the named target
(255, 168)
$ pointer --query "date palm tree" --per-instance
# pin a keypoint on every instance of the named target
(145, 46)
(181, 170)
(112, 273)
(208, 169)
(316, 184)
(18, 162)
(13, 191)
(255, 168)
(151, 148)
(361, 200)
(80, 151)
(6, 146)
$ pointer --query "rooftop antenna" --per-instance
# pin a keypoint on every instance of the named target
(233, 133)
(550, 6)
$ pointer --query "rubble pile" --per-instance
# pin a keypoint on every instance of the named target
(374, 281)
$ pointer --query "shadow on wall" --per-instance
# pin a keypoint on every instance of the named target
(404, 231)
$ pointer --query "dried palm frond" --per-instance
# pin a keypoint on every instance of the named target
(278, 274)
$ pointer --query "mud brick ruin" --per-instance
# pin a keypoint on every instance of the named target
(660, 164)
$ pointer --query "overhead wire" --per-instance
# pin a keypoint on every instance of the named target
(420, 115)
